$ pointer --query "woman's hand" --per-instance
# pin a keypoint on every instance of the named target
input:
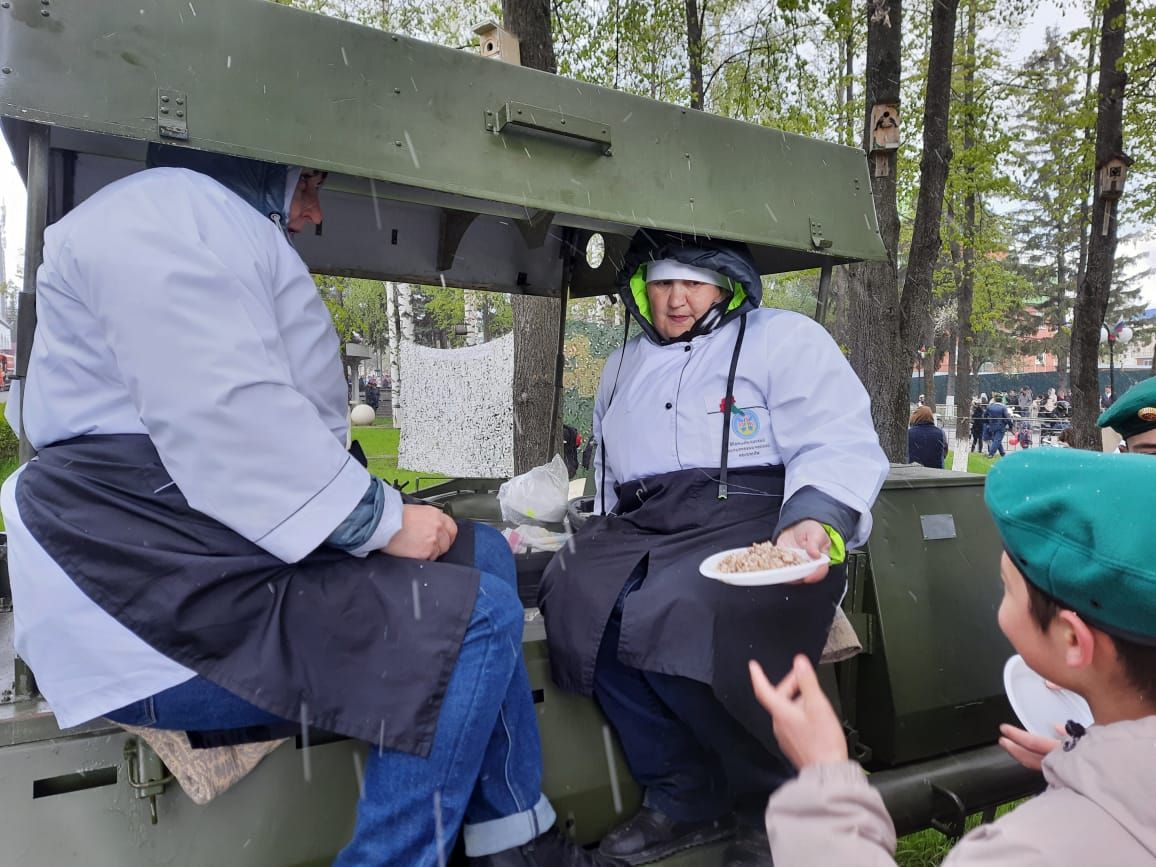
(808, 536)
(806, 727)
(426, 533)
(1026, 748)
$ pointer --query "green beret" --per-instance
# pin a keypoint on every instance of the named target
(1063, 516)
(1133, 412)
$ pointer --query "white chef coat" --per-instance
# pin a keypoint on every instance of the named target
(168, 306)
(797, 403)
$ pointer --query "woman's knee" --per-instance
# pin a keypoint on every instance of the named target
(492, 554)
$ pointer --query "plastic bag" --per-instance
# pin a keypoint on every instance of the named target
(538, 496)
(526, 537)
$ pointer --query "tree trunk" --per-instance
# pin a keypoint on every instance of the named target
(1094, 289)
(849, 58)
(529, 20)
(874, 297)
(1090, 178)
(537, 436)
(694, 51)
(915, 303)
(394, 352)
(473, 309)
(965, 289)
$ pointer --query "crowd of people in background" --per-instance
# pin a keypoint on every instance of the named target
(1007, 419)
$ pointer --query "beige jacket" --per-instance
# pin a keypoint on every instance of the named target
(1099, 809)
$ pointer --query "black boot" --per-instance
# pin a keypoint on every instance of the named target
(749, 848)
(550, 849)
(651, 836)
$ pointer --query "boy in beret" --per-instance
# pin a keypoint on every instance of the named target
(1079, 605)
(1133, 417)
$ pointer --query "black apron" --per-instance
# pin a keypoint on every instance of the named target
(360, 647)
(679, 622)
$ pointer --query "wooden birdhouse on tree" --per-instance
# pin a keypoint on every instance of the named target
(884, 136)
(884, 127)
(1112, 175)
(498, 43)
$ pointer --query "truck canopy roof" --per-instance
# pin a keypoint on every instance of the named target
(444, 166)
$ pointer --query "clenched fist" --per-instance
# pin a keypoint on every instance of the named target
(426, 533)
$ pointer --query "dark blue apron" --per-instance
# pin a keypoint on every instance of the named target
(679, 622)
(359, 647)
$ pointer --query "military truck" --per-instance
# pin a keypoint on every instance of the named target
(448, 167)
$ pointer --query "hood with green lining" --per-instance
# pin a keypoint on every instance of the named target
(729, 258)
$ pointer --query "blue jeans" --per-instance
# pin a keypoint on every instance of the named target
(485, 768)
(996, 443)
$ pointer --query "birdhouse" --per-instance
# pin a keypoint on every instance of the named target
(1112, 176)
(884, 127)
(498, 43)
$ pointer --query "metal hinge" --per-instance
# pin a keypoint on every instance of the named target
(147, 774)
(172, 114)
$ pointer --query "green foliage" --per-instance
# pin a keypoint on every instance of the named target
(1140, 113)
(9, 443)
(358, 309)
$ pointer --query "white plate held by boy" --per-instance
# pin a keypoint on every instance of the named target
(1041, 707)
(762, 577)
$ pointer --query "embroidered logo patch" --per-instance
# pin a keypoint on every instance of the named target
(745, 425)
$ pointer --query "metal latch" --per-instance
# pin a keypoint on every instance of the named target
(172, 114)
(817, 239)
(147, 774)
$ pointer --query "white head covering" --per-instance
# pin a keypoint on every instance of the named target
(668, 269)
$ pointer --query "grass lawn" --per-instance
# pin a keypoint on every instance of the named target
(380, 441)
(929, 848)
(976, 463)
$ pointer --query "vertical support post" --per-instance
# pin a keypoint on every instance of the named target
(37, 221)
(824, 293)
(569, 251)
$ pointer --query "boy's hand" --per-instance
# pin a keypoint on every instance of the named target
(426, 533)
(809, 536)
(1026, 748)
(806, 727)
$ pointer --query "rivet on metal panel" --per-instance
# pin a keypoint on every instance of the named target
(7, 70)
(44, 13)
(817, 239)
(168, 126)
(397, 144)
(5, 4)
(397, 90)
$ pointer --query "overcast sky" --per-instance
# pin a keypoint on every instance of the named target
(1047, 14)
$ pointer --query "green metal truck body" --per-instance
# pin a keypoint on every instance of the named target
(449, 168)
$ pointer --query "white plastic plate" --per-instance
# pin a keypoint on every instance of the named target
(1040, 707)
(709, 568)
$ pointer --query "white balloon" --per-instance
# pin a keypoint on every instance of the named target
(1103, 334)
(362, 414)
(1125, 334)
